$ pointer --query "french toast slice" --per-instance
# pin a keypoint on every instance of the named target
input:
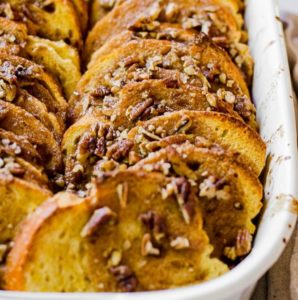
(230, 195)
(212, 128)
(20, 145)
(14, 34)
(22, 73)
(18, 198)
(12, 163)
(141, 101)
(55, 20)
(175, 32)
(216, 18)
(57, 57)
(201, 65)
(25, 125)
(95, 145)
(39, 110)
(89, 134)
(138, 243)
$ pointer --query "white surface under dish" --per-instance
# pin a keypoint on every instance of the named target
(273, 98)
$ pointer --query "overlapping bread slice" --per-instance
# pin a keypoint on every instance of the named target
(230, 195)
(23, 187)
(12, 162)
(139, 101)
(201, 65)
(56, 20)
(26, 84)
(21, 146)
(95, 145)
(175, 32)
(201, 128)
(57, 57)
(125, 238)
(219, 19)
(18, 121)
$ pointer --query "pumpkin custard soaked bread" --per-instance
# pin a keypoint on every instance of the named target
(143, 173)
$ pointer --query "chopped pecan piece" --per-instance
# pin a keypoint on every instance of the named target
(99, 217)
(155, 223)
(183, 188)
(125, 278)
(115, 258)
(180, 243)
(243, 242)
(100, 92)
(183, 125)
(171, 83)
(130, 60)
(139, 109)
(100, 148)
(147, 247)
(16, 170)
(122, 191)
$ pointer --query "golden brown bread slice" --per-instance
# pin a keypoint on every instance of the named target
(232, 135)
(21, 191)
(13, 36)
(56, 20)
(13, 164)
(175, 32)
(94, 144)
(57, 57)
(22, 147)
(140, 101)
(203, 65)
(23, 124)
(79, 142)
(217, 18)
(148, 247)
(230, 195)
(39, 110)
(17, 72)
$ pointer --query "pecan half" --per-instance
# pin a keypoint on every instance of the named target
(120, 149)
(139, 109)
(100, 217)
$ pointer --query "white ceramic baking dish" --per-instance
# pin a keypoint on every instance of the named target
(273, 98)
